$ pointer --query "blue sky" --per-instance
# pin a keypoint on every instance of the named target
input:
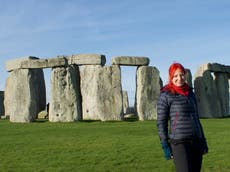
(190, 32)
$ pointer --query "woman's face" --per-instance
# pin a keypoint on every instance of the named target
(178, 78)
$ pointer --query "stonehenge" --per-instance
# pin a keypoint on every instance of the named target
(83, 88)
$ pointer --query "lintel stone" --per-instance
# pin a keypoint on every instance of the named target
(212, 67)
(130, 61)
(17, 63)
(35, 63)
(215, 67)
(87, 59)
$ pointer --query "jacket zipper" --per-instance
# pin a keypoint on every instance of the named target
(175, 122)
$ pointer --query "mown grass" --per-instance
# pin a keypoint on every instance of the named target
(94, 146)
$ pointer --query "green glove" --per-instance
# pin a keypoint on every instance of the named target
(167, 150)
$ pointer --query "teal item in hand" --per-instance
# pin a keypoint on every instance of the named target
(167, 150)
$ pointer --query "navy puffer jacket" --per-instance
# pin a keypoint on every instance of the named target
(181, 114)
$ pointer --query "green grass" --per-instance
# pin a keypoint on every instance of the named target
(94, 146)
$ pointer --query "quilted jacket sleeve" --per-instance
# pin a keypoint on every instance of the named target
(163, 108)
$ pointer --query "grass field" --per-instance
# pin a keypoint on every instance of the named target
(96, 146)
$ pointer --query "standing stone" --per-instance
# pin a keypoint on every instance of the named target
(2, 109)
(101, 93)
(206, 94)
(221, 81)
(229, 95)
(212, 90)
(188, 77)
(148, 89)
(110, 90)
(24, 94)
(125, 101)
(65, 100)
(89, 91)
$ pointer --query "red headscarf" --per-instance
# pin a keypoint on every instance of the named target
(183, 90)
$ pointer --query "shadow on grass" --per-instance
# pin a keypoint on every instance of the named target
(127, 119)
(41, 120)
(131, 119)
(46, 120)
(89, 121)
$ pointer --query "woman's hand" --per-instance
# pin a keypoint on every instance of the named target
(167, 150)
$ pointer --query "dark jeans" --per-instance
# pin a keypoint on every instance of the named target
(187, 155)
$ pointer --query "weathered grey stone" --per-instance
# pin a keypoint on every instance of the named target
(5, 117)
(35, 63)
(87, 59)
(203, 90)
(59, 61)
(207, 98)
(229, 96)
(125, 101)
(212, 90)
(212, 67)
(65, 99)
(101, 93)
(222, 86)
(188, 77)
(215, 67)
(200, 70)
(24, 94)
(43, 115)
(148, 89)
(17, 63)
(2, 109)
(130, 61)
(89, 91)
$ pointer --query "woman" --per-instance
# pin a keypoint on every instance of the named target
(184, 142)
